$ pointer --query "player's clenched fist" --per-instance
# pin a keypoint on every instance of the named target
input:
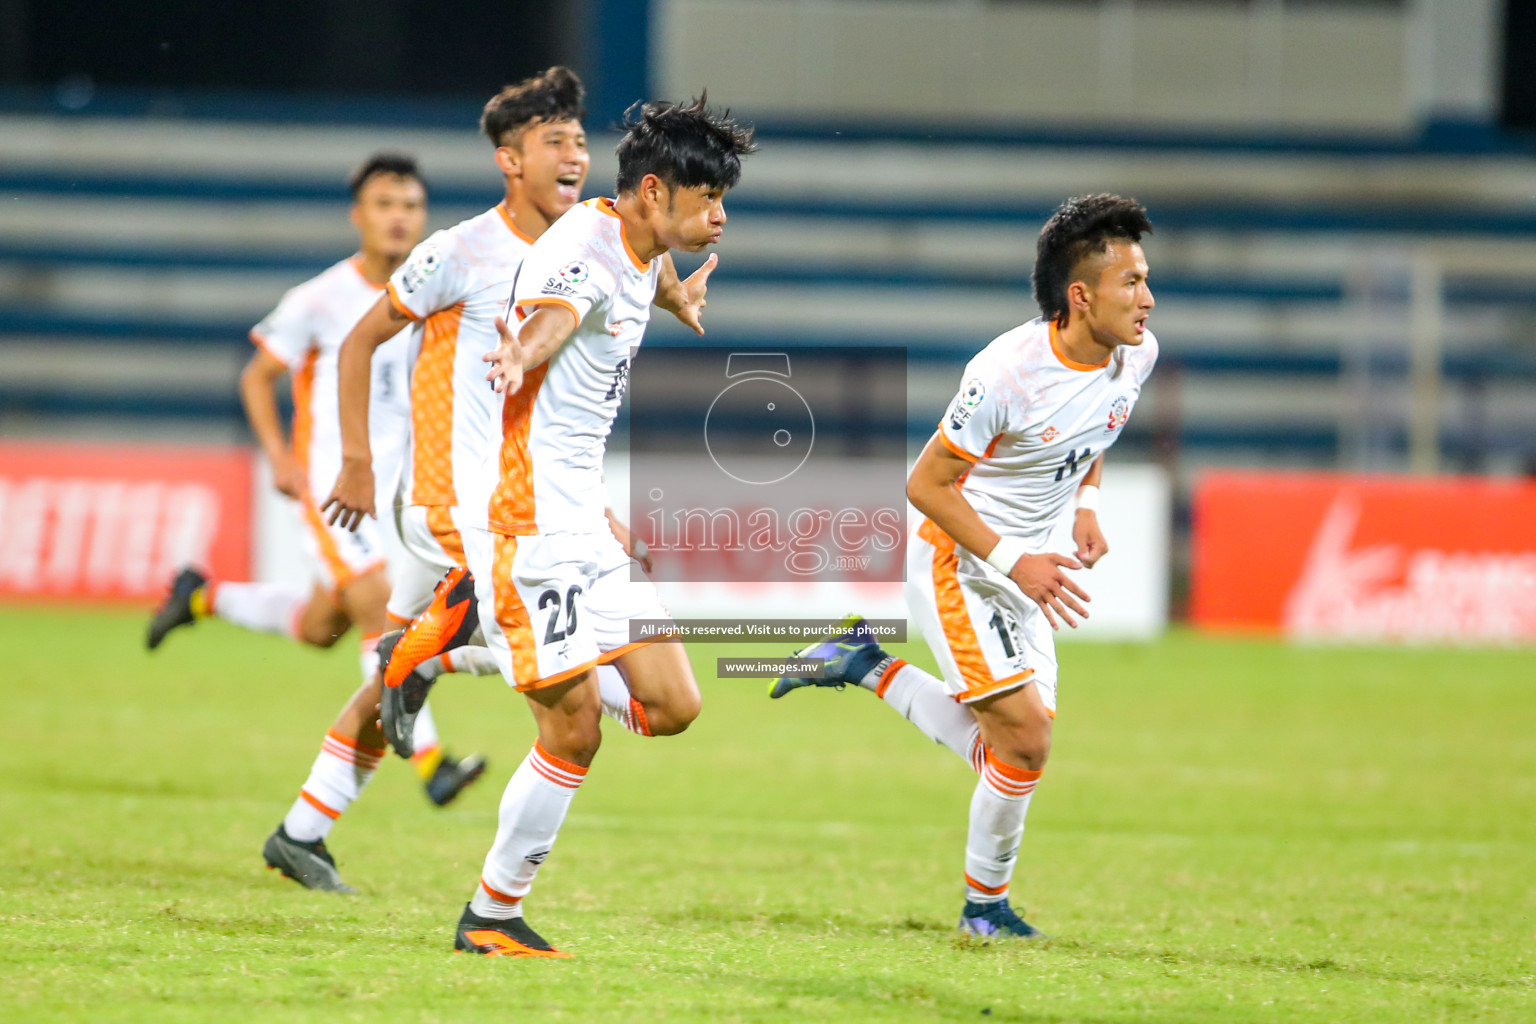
(506, 359)
(1042, 580)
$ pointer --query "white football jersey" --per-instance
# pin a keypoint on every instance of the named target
(454, 285)
(1032, 421)
(305, 333)
(555, 428)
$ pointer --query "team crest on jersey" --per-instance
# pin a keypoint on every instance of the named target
(1119, 413)
(1049, 434)
(966, 402)
(421, 266)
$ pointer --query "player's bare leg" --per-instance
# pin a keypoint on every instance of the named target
(323, 620)
(663, 694)
(535, 803)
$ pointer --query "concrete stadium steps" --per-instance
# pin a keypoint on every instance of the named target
(161, 242)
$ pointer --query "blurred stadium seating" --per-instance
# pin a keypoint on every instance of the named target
(135, 252)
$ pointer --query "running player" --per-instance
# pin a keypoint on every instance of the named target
(301, 337)
(552, 582)
(448, 291)
(1038, 408)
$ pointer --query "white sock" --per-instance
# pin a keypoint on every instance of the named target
(368, 656)
(998, 808)
(471, 660)
(532, 808)
(922, 700)
(424, 734)
(267, 607)
(337, 778)
(618, 703)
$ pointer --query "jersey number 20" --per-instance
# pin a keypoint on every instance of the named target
(553, 634)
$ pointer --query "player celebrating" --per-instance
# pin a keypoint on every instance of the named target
(452, 288)
(1038, 408)
(552, 581)
(302, 338)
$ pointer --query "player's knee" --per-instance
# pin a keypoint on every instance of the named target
(1025, 747)
(676, 715)
(319, 636)
(574, 739)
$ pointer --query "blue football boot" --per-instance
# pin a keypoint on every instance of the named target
(996, 921)
(847, 658)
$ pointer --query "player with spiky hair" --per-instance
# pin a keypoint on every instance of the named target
(450, 290)
(301, 338)
(583, 298)
(1026, 434)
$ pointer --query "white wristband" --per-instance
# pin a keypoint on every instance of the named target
(1088, 498)
(1006, 554)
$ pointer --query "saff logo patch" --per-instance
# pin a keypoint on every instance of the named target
(973, 393)
(574, 273)
(422, 265)
(1119, 412)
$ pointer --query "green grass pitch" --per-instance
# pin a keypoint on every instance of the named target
(1229, 831)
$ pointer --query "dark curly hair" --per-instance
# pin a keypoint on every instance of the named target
(552, 95)
(1081, 227)
(684, 146)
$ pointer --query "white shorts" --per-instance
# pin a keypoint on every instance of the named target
(433, 544)
(987, 636)
(337, 555)
(554, 605)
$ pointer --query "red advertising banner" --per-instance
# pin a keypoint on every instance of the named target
(96, 521)
(1351, 558)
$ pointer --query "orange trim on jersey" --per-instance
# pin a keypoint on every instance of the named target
(955, 619)
(967, 456)
(603, 205)
(357, 265)
(977, 691)
(990, 890)
(608, 657)
(558, 677)
(440, 522)
(303, 415)
(399, 303)
(1073, 364)
(545, 300)
(512, 615)
(506, 217)
(329, 812)
(512, 505)
(432, 409)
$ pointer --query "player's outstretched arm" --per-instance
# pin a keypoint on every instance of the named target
(258, 393)
(934, 490)
(684, 299)
(1091, 545)
(352, 496)
(535, 340)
